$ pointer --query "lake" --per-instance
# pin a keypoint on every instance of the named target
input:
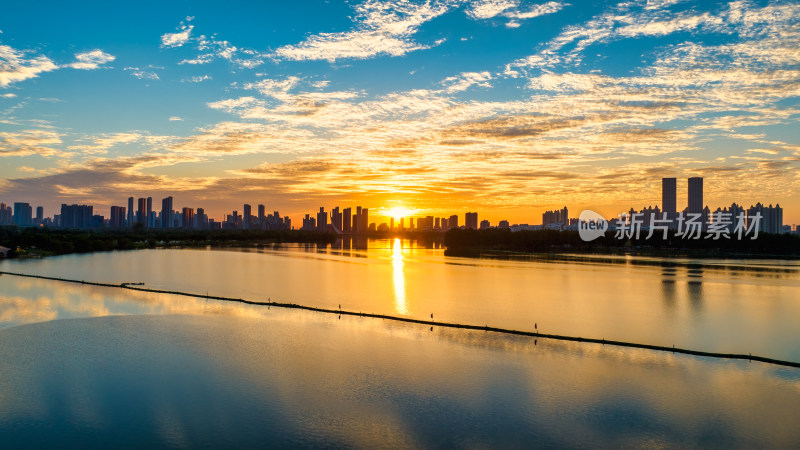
(142, 369)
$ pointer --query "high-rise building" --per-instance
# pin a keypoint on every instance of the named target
(188, 218)
(471, 220)
(695, 195)
(149, 223)
(262, 218)
(669, 196)
(39, 215)
(771, 218)
(452, 222)
(201, 219)
(130, 212)
(141, 211)
(166, 212)
(357, 220)
(76, 216)
(322, 220)
(247, 216)
(485, 224)
(23, 214)
(364, 225)
(6, 215)
(117, 219)
(336, 218)
(347, 220)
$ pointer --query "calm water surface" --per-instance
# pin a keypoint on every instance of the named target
(106, 367)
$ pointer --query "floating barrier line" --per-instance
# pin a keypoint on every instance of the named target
(685, 351)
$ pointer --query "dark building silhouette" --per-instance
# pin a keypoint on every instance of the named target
(471, 220)
(77, 216)
(695, 195)
(322, 220)
(117, 219)
(166, 213)
(23, 214)
(130, 212)
(669, 196)
(347, 220)
(39, 215)
(141, 211)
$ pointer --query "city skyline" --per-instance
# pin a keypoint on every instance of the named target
(342, 221)
(511, 108)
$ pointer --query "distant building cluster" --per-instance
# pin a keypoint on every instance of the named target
(344, 221)
(140, 213)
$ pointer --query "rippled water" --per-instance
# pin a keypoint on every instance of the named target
(141, 369)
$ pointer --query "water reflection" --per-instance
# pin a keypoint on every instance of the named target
(400, 305)
(695, 287)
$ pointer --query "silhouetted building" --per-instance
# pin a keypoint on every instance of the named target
(771, 218)
(347, 220)
(117, 219)
(669, 197)
(141, 211)
(149, 214)
(503, 224)
(39, 215)
(187, 218)
(471, 220)
(262, 218)
(166, 213)
(452, 222)
(77, 216)
(23, 214)
(336, 218)
(485, 224)
(322, 220)
(695, 195)
(557, 218)
(130, 212)
(247, 219)
(6, 214)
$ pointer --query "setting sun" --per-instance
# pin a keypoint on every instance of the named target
(399, 211)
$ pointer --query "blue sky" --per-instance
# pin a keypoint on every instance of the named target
(501, 106)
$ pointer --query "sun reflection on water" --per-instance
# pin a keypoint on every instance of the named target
(399, 280)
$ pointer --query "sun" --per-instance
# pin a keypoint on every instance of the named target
(398, 211)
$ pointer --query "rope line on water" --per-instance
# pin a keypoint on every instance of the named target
(535, 334)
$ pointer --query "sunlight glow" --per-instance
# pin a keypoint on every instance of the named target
(399, 280)
(399, 211)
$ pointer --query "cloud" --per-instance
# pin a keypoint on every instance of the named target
(486, 9)
(466, 80)
(175, 119)
(196, 79)
(382, 28)
(91, 60)
(29, 142)
(19, 65)
(8, 95)
(179, 38)
(147, 73)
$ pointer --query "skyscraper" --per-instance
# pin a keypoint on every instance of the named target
(166, 212)
(247, 214)
(141, 212)
(669, 196)
(39, 214)
(471, 220)
(130, 211)
(150, 218)
(76, 216)
(23, 214)
(347, 220)
(262, 218)
(322, 220)
(188, 218)
(695, 195)
(117, 219)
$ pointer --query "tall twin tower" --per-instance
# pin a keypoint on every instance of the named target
(669, 196)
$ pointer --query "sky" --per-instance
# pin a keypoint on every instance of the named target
(505, 107)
